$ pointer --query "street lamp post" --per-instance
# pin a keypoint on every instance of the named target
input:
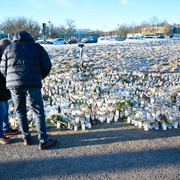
(49, 33)
(79, 35)
(117, 28)
(44, 33)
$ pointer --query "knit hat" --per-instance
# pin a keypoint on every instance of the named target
(4, 43)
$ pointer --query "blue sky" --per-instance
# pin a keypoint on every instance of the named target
(93, 14)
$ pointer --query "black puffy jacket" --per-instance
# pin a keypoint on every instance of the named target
(4, 93)
(25, 63)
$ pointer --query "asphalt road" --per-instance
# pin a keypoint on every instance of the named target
(107, 151)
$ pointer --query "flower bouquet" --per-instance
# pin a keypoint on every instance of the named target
(11, 111)
(126, 80)
(119, 105)
(46, 97)
(128, 102)
(145, 97)
(49, 123)
(162, 121)
(163, 118)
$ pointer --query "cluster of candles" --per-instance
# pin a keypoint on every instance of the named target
(83, 97)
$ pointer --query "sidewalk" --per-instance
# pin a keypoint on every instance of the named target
(107, 151)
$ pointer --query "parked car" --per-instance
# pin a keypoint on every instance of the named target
(118, 39)
(62, 40)
(134, 38)
(150, 37)
(113, 39)
(176, 37)
(83, 39)
(170, 36)
(71, 41)
(49, 42)
(104, 39)
(89, 40)
(160, 36)
(40, 42)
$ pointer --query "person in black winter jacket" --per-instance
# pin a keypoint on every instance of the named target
(24, 64)
(4, 106)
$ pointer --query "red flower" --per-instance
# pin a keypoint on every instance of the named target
(124, 86)
(163, 116)
(45, 90)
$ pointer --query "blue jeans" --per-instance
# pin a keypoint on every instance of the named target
(35, 101)
(4, 123)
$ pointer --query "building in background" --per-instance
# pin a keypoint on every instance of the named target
(2, 35)
(160, 31)
(134, 35)
(152, 31)
(174, 31)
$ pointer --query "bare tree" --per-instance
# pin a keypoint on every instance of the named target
(144, 24)
(163, 23)
(61, 29)
(175, 24)
(122, 31)
(98, 31)
(70, 27)
(153, 22)
(51, 30)
(166, 29)
(132, 27)
(111, 33)
(14, 25)
(33, 28)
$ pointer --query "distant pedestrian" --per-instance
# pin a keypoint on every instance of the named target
(24, 64)
(5, 128)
